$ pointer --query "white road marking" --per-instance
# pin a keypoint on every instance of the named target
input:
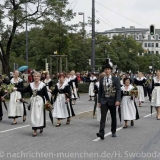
(107, 134)
(14, 129)
(8, 130)
(149, 115)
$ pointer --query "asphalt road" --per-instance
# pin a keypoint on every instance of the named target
(78, 140)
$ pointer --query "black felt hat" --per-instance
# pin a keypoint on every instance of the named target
(107, 65)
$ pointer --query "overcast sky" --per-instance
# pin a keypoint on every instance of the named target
(144, 12)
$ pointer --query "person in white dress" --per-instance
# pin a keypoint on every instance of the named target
(92, 80)
(73, 82)
(39, 97)
(140, 81)
(16, 107)
(62, 101)
(129, 111)
(155, 101)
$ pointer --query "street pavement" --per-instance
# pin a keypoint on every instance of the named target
(78, 140)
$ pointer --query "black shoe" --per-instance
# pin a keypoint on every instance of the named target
(132, 123)
(58, 125)
(13, 123)
(100, 135)
(1, 118)
(114, 135)
(41, 130)
(24, 119)
(34, 135)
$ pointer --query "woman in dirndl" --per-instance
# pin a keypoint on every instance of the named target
(73, 82)
(155, 101)
(92, 80)
(129, 111)
(139, 82)
(49, 84)
(16, 107)
(39, 97)
(62, 101)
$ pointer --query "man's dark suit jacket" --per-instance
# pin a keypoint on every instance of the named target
(112, 99)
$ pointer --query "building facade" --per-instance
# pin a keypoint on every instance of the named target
(151, 44)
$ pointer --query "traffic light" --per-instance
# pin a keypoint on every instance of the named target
(47, 67)
(152, 29)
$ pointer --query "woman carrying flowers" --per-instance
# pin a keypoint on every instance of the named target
(16, 107)
(129, 109)
(38, 93)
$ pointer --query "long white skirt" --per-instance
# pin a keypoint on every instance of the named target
(60, 107)
(156, 97)
(74, 91)
(141, 93)
(91, 89)
(128, 110)
(37, 111)
(15, 108)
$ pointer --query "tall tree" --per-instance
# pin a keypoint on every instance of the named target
(14, 12)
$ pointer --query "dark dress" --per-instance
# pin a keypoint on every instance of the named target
(42, 92)
(74, 85)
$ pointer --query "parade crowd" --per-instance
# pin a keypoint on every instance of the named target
(58, 93)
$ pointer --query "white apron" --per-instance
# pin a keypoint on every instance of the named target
(37, 111)
(15, 108)
(141, 93)
(91, 87)
(60, 107)
(156, 94)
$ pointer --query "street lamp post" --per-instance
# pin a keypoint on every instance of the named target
(26, 36)
(82, 13)
(93, 37)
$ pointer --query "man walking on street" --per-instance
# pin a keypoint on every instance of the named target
(109, 97)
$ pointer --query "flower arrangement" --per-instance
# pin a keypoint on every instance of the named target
(134, 92)
(10, 88)
(48, 106)
(148, 81)
(3, 87)
(52, 88)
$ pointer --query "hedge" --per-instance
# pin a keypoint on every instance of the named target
(83, 87)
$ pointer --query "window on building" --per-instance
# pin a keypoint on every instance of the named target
(152, 44)
(145, 45)
(157, 36)
(157, 52)
(156, 44)
(149, 44)
(140, 37)
(149, 37)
